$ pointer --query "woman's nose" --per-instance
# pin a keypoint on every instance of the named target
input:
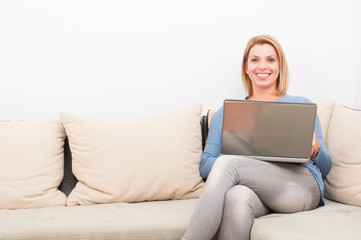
(262, 65)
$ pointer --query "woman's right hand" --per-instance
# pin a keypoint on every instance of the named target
(315, 147)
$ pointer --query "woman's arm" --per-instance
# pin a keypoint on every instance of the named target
(323, 159)
(212, 149)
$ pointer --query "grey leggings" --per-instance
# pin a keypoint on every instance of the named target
(239, 189)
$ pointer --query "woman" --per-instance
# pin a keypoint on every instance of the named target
(238, 188)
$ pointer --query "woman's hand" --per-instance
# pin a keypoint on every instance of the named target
(315, 147)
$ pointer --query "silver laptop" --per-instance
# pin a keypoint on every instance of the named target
(271, 131)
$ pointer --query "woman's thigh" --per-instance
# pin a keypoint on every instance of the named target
(283, 187)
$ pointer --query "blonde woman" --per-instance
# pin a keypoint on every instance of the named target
(238, 189)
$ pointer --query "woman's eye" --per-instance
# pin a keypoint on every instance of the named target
(271, 60)
(254, 60)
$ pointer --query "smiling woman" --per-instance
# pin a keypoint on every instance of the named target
(239, 188)
(264, 68)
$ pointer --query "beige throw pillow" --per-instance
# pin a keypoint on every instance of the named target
(210, 114)
(343, 183)
(324, 112)
(132, 160)
(31, 160)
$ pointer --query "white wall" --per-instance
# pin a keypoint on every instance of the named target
(357, 53)
(126, 58)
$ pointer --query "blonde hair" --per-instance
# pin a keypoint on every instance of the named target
(282, 80)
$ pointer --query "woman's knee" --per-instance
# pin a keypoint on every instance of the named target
(222, 176)
(223, 167)
(240, 199)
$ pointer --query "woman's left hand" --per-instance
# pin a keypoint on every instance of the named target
(315, 147)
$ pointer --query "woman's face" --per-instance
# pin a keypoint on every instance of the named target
(263, 67)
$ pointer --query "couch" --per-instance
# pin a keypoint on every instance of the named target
(137, 178)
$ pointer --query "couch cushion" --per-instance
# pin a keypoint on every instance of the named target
(146, 220)
(334, 221)
(133, 160)
(324, 112)
(31, 160)
(210, 115)
(343, 183)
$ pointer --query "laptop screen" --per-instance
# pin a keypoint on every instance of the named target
(271, 129)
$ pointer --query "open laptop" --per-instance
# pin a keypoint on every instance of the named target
(271, 131)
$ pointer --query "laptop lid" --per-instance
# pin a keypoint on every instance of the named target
(271, 131)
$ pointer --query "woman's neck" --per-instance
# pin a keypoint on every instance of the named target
(264, 97)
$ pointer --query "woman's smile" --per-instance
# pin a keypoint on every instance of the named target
(263, 76)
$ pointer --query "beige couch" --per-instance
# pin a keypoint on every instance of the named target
(137, 195)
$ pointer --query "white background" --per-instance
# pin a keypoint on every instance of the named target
(139, 57)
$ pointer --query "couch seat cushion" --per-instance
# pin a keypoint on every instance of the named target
(146, 220)
(334, 221)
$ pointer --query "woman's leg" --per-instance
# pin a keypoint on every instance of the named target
(241, 206)
(282, 187)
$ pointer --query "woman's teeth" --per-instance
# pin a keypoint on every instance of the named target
(263, 75)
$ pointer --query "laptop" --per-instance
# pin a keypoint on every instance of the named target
(270, 131)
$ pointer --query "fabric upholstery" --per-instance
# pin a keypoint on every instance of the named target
(133, 160)
(324, 112)
(210, 114)
(31, 160)
(343, 183)
(146, 220)
(334, 221)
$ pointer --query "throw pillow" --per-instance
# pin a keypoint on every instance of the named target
(343, 183)
(210, 114)
(324, 112)
(31, 159)
(133, 160)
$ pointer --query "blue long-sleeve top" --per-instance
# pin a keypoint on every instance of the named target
(319, 166)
